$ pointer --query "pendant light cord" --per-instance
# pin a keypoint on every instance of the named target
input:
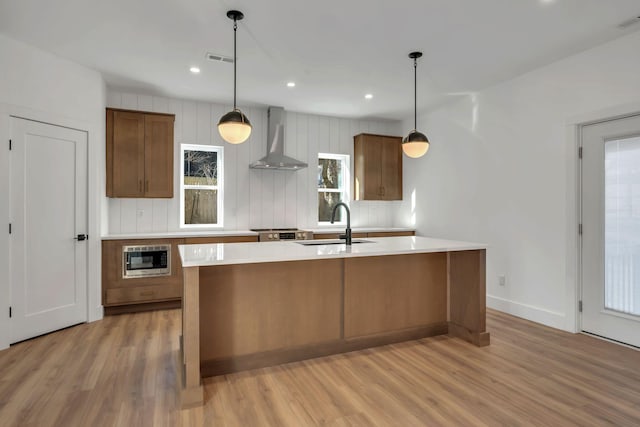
(235, 31)
(415, 93)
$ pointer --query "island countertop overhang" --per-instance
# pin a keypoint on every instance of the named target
(247, 253)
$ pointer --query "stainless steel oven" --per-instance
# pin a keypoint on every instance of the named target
(277, 234)
(146, 261)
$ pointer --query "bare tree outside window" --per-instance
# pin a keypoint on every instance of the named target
(332, 185)
(201, 185)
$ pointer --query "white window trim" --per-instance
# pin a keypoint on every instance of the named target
(346, 179)
(219, 186)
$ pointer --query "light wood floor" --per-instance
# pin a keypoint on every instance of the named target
(122, 371)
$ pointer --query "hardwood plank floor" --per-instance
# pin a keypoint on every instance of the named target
(121, 371)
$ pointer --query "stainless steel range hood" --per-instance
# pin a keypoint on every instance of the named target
(275, 158)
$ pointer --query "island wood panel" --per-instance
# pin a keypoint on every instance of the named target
(467, 296)
(392, 293)
(253, 308)
(189, 376)
(219, 239)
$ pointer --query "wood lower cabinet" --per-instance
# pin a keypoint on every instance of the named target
(225, 239)
(378, 167)
(143, 292)
(120, 295)
(139, 154)
(364, 235)
(391, 233)
(140, 294)
(317, 236)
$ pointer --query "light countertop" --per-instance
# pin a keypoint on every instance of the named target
(247, 253)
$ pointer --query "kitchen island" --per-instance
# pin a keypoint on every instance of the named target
(250, 305)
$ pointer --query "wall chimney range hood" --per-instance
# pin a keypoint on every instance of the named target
(275, 158)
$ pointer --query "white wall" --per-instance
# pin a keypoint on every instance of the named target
(39, 86)
(252, 198)
(502, 169)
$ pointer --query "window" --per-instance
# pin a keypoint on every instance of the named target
(333, 186)
(201, 186)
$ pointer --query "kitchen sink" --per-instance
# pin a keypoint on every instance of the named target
(330, 242)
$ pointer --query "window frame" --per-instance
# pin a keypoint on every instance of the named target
(219, 186)
(346, 181)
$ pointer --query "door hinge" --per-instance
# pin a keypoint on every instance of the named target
(580, 306)
(580, 229)
(579, 152)
(10, 313)
(9, 145)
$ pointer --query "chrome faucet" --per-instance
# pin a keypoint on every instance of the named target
(347, 232)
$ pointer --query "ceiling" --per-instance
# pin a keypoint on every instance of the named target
(335, 51)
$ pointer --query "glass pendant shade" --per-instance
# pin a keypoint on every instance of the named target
(234, 127)
(415, 144)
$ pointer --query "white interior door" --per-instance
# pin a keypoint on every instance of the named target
(611, 230)
(48, 211)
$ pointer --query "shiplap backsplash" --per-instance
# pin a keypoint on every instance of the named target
(252, 198)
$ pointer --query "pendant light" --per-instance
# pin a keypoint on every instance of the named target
(416, 143)
(234, 127)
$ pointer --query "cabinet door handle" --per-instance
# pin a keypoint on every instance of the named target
(383, 190)
(146, 185)
(140, 186)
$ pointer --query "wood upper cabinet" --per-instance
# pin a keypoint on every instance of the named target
(139, 154)
(378, 167)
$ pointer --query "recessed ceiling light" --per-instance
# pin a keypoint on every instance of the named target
(291, 84)
(368, 96)
(194, 70)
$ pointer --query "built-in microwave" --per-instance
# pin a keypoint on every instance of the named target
(146, 261)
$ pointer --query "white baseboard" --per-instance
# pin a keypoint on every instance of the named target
(535, 314)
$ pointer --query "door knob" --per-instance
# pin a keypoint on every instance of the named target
(81, 237)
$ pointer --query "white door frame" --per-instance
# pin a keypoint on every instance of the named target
(572, 124)
(95, 200)
(594, 118)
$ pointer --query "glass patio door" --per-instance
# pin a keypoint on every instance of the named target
(611, 229)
